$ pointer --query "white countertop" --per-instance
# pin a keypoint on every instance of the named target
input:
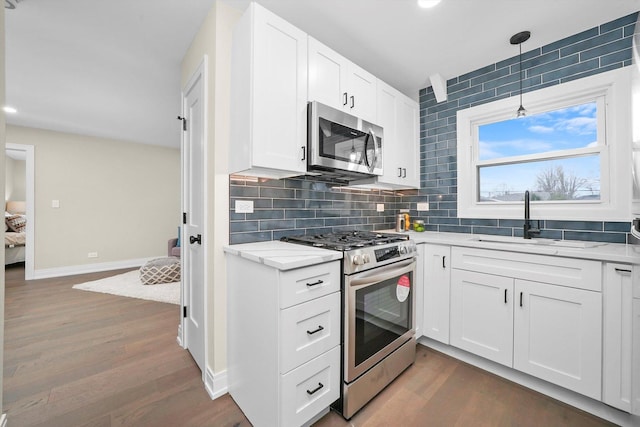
(282, 255)
(613, 252)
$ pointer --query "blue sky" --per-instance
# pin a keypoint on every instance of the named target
(568, 128)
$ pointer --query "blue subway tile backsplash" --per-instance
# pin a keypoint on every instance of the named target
(590, 52)
(313, 205)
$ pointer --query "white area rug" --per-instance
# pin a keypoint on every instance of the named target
(129, 285)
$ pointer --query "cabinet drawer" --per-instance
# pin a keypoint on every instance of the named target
(571, 272)
(308, 330)
(304, 284)
(309, 389)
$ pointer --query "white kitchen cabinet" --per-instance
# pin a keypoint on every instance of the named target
(419, 291)
(283, 340)
(617, 333)
(501, 310)
(635, 358)
(436, 292)
(268, 96)
(399, 117)
(482, 315)
(339, 83)
(557, 335)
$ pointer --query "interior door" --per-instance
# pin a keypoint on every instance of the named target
(193, 262)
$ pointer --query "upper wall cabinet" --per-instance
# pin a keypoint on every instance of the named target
(341, 84)
(399, 117)
(269, 96)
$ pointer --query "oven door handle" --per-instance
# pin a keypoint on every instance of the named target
(368, 278)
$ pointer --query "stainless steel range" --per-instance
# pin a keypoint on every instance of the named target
(378, 331)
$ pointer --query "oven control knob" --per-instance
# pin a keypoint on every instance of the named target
(403, 250)
(357, 260)
(366, 258)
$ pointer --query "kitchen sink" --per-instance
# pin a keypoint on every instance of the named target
(539, 242)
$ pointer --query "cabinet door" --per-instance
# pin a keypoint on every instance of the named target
(617, 333)
(482, 315)
(635, 405)
(558, 335)
(362, 93)
(407, 127)
(279, 109)
(419, 292)
(437, 284)
(387, 111)
(398, 115)
(327, 76)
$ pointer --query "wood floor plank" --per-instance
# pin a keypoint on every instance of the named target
(83, 359)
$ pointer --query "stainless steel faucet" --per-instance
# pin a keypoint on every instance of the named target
(528, 229)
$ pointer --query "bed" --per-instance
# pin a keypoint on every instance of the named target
(15, 233)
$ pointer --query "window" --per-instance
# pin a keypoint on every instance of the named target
(571, 152)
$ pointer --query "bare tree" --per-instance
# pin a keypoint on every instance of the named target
(559, 184)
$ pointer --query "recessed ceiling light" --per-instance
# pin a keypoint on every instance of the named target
(9, 110)
(427, 3)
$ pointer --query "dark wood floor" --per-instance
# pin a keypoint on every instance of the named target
(77, 358)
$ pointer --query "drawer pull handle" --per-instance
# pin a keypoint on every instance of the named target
(505, 296)
(520, 299)
(319, 282)
(622, 270)
(320, 328)
(310, 392)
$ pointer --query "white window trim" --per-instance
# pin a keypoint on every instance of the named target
(615, 155)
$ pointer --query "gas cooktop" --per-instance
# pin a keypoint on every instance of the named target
(346, 240)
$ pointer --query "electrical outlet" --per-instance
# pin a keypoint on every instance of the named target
(92, 255)
(380, 207)
(404, 211)
(423, 206)
(244, 206)
(55, 204)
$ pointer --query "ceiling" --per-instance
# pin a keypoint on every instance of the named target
(112, 68)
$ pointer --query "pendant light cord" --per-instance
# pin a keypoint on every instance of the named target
(520, 45)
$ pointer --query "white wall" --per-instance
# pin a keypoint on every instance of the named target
(16, 182)
(214, 40)
(8, 177)
(117, 198)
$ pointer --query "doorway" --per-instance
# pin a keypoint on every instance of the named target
(26, 154)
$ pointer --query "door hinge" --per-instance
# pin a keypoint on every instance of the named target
(184, 122)
(184, 217)
(184, 311)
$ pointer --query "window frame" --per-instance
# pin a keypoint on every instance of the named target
(611, 90)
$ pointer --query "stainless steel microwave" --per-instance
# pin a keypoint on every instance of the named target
(341, 145)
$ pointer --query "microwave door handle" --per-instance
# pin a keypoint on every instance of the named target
(388, 273)
(371, 137)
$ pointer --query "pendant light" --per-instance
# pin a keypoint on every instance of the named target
(518, 39)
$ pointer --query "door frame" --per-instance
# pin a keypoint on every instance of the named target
(29, 151)
(201, 72)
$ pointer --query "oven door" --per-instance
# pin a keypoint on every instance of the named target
(379, 315)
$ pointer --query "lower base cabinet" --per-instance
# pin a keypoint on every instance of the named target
(557, 335)
(284, 341)
(547, 330)
(618, 337)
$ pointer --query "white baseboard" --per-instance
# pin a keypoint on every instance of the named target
(216, 384)
(3, 420)
(45, 273)
(569, 397)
